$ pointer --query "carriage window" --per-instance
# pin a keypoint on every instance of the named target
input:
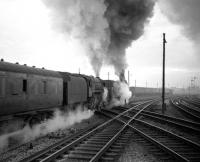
(2, 87)
(24, 87)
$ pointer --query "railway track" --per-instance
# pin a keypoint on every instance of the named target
(187, 109)
(193, 101)
(181, 123)
(105, 142)
(195, 110)
(167, 145)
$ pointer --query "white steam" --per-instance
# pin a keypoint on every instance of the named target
(59, 121)
(105, 94)
(122, 94)
(85, 21)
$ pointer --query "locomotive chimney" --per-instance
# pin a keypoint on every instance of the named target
(122, 76)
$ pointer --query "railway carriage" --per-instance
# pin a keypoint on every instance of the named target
(25, 89)
(32, 92)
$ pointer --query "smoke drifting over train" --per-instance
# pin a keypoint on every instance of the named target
(126, 19)
(104, 27)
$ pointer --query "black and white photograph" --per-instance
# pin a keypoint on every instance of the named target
(99, 80)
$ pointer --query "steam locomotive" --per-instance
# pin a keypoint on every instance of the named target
(28, 91)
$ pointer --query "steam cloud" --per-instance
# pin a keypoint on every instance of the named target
(185, 13)
(59, 121)
(105, 27)
(105, 94)
(121, 93)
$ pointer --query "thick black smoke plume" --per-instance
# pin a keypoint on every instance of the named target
(126, 20)
(105, 27)
(185, 13)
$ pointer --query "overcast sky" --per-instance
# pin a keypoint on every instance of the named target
(28, 37)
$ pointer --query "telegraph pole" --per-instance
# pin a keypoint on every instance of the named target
(163, 82)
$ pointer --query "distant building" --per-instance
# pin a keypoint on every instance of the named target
(143, 91)
(187, 91)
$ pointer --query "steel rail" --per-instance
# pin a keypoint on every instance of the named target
(185, 123)
(35, 156)
(155, 142)
(166, 121)
(193, 102)
(190, 107)
(109, 143)
(49, 156)
(166, 148)
(151, 125)
(177, 105)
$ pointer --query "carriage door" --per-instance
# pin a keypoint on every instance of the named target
(65, 95)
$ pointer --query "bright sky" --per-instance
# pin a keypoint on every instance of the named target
(27, 37)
